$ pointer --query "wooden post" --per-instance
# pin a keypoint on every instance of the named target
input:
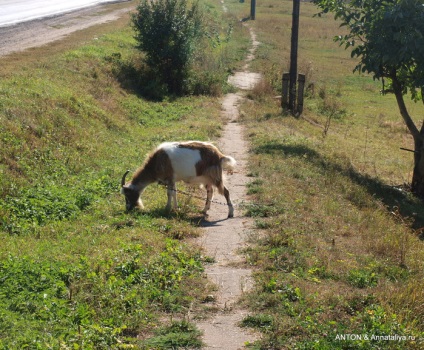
(293, 55)
(252, 9)
(285, 95)
(301, 87)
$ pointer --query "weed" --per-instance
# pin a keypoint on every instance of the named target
(362, 278)
(260, 210)
(177, 335)
(261, 321)
(262, 224)
(254, 186)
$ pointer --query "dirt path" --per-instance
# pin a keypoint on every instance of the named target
(223, 238)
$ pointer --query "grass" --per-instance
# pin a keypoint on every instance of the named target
(75, 269)
(339, 251)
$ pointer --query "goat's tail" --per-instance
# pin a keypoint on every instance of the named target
(228, 163)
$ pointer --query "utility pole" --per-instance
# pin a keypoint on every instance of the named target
(252, 9)
(289, 90)
(293, 55)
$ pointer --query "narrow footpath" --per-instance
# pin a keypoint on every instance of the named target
(223, 238)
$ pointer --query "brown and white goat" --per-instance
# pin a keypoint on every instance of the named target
(193, 162)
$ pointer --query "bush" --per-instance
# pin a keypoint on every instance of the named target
(167, 32)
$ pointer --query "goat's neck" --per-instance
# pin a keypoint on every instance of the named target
(142, 179)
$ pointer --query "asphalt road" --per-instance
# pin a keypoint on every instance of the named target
(40, 32)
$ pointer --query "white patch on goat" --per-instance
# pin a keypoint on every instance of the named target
(183, 161)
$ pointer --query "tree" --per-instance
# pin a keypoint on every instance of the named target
(388, 38)
(166, 30)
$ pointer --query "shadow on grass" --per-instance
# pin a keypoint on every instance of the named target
(151, 84)
(194, 219)
(409, 207)
(139, 80)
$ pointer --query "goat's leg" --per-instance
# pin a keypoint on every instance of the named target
(230, 205)
(172, 196)
(209, 196)
(175, 204)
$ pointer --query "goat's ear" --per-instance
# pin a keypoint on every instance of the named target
(123, 188)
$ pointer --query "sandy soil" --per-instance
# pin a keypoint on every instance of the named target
(223, 238)
(36, 33)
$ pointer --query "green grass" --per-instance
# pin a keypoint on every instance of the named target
(340, 248)
(47, 303)
(76, 271)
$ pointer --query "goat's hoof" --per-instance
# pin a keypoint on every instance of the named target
(231, 212)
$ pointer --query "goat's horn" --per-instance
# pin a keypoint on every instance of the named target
(123, 178)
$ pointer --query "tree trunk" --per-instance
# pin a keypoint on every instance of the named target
(417, 185)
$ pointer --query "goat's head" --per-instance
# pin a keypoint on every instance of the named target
(132, 195)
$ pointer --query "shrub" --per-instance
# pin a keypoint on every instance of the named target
(167, 32)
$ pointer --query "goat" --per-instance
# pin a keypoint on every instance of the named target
(193, 162)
